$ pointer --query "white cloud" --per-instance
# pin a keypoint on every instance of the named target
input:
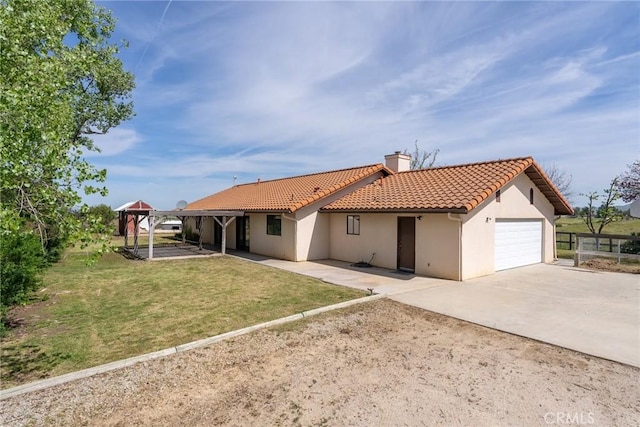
(275, 89)
(116, 141)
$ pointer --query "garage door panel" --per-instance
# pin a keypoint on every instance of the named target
(517, 243)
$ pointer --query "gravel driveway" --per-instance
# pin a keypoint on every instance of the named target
(380, 363)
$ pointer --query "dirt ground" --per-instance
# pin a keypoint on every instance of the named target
(604, 264)
(380, 363)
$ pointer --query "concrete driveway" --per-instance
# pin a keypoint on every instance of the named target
(589, 311)
(592, 312)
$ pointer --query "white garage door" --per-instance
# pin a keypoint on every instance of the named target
(517, 243)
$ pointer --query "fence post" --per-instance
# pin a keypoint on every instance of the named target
(576, 256)
(571, 235)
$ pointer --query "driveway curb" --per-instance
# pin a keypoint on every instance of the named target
(112, 366)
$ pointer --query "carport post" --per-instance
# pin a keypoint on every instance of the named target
(199, 228)
(136, 231)
(223, 244)
(126, 230)
(151, 228)
(224, 223)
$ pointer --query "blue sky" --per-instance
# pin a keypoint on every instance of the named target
(272, 89)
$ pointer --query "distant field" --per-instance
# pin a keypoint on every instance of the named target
(577, 225)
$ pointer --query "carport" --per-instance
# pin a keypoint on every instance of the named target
(223, 218)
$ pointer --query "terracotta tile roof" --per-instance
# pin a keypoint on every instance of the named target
(447, 189)
(286, 194)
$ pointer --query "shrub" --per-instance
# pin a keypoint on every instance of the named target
(191, 235)
(21, 260)
(631, 247)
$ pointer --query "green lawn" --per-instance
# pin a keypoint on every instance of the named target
(120, 308)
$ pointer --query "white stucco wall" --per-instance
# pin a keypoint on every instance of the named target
(378, 233)
(314, 227)
(478, 232)
(207, 230)
(437, 247)
(265, 244)
(313, 237)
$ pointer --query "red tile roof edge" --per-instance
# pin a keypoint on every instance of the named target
(522, 165)
(486, 193)
(311, 174)
(370, 169)
(538, 169)
(462, 165)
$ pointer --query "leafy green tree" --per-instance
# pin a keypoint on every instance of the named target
(104, 214)
(61, 81)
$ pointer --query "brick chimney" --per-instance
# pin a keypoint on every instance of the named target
(398, 162)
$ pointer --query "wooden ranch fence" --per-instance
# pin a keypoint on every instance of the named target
(606, 242)
(617, 246)
(565, 240)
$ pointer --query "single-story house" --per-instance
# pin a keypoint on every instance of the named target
(452, 222)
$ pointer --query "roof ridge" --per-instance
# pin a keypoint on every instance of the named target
(311, 174)
(368, 170)
(486, 162)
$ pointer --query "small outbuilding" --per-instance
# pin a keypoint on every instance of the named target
(130, 222)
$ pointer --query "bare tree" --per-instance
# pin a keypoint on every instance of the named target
(629, 183)
(606, 213)
(561, 179)
(422, 159)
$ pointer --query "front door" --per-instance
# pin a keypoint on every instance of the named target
(406, 243)
(242, 233)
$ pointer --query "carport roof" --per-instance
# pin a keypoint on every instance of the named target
(448, 189)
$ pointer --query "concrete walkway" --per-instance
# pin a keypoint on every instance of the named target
(377, 280)
(597, 313)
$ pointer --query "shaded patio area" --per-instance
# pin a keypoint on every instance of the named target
(154, 217)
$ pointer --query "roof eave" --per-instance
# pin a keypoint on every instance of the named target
(459, 210)
(541, 180)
